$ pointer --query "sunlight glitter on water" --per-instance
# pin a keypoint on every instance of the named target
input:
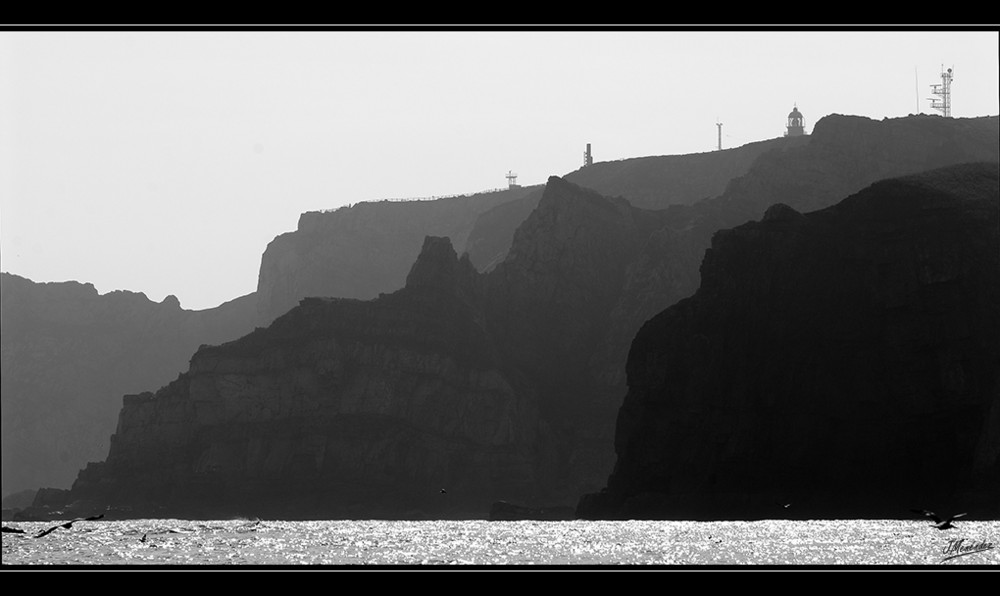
(483, 543)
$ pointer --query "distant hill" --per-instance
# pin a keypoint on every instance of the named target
(68, 356)
(838, 363)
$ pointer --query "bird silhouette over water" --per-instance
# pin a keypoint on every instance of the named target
(67, 525)
(941, 524)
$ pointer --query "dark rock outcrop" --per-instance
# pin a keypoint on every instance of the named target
(845, 362)
(68, 355)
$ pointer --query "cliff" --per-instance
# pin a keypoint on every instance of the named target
(653, 182)
(362, 250)
(550, 325)
(366, 249)
(68, 354)
(348, 408)
(584, 275)
(550, 304)
(845, 362)
(340, 408)
(842, 156)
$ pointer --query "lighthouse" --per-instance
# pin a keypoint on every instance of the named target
(795, 128)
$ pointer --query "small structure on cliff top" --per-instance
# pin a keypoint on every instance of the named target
(588, 159)
(795, 126)
(512, 180)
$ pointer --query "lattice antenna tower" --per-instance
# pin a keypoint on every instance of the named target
(942, 90)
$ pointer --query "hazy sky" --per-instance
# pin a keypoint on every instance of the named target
(164, 162)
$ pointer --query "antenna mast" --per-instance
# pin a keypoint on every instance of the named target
(943, 91)
(719, 124)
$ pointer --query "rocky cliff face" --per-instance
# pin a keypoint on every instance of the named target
(340, 408)
(491, 235)
(68, 355)
(362, 250)
(550, 326)
(469, 382)
(573, 294)
(844, 361)
(551, 308)
(842, 156)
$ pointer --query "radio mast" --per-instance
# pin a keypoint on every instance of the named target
(942, 91)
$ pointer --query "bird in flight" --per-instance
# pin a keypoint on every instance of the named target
(67, 525)
(941, 524)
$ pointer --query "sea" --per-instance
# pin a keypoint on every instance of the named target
(498, 545)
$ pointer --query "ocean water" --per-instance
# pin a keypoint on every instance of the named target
(618, 544)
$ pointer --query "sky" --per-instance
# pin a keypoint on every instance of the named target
(164, 161)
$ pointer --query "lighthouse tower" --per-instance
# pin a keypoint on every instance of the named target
(795, 128)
